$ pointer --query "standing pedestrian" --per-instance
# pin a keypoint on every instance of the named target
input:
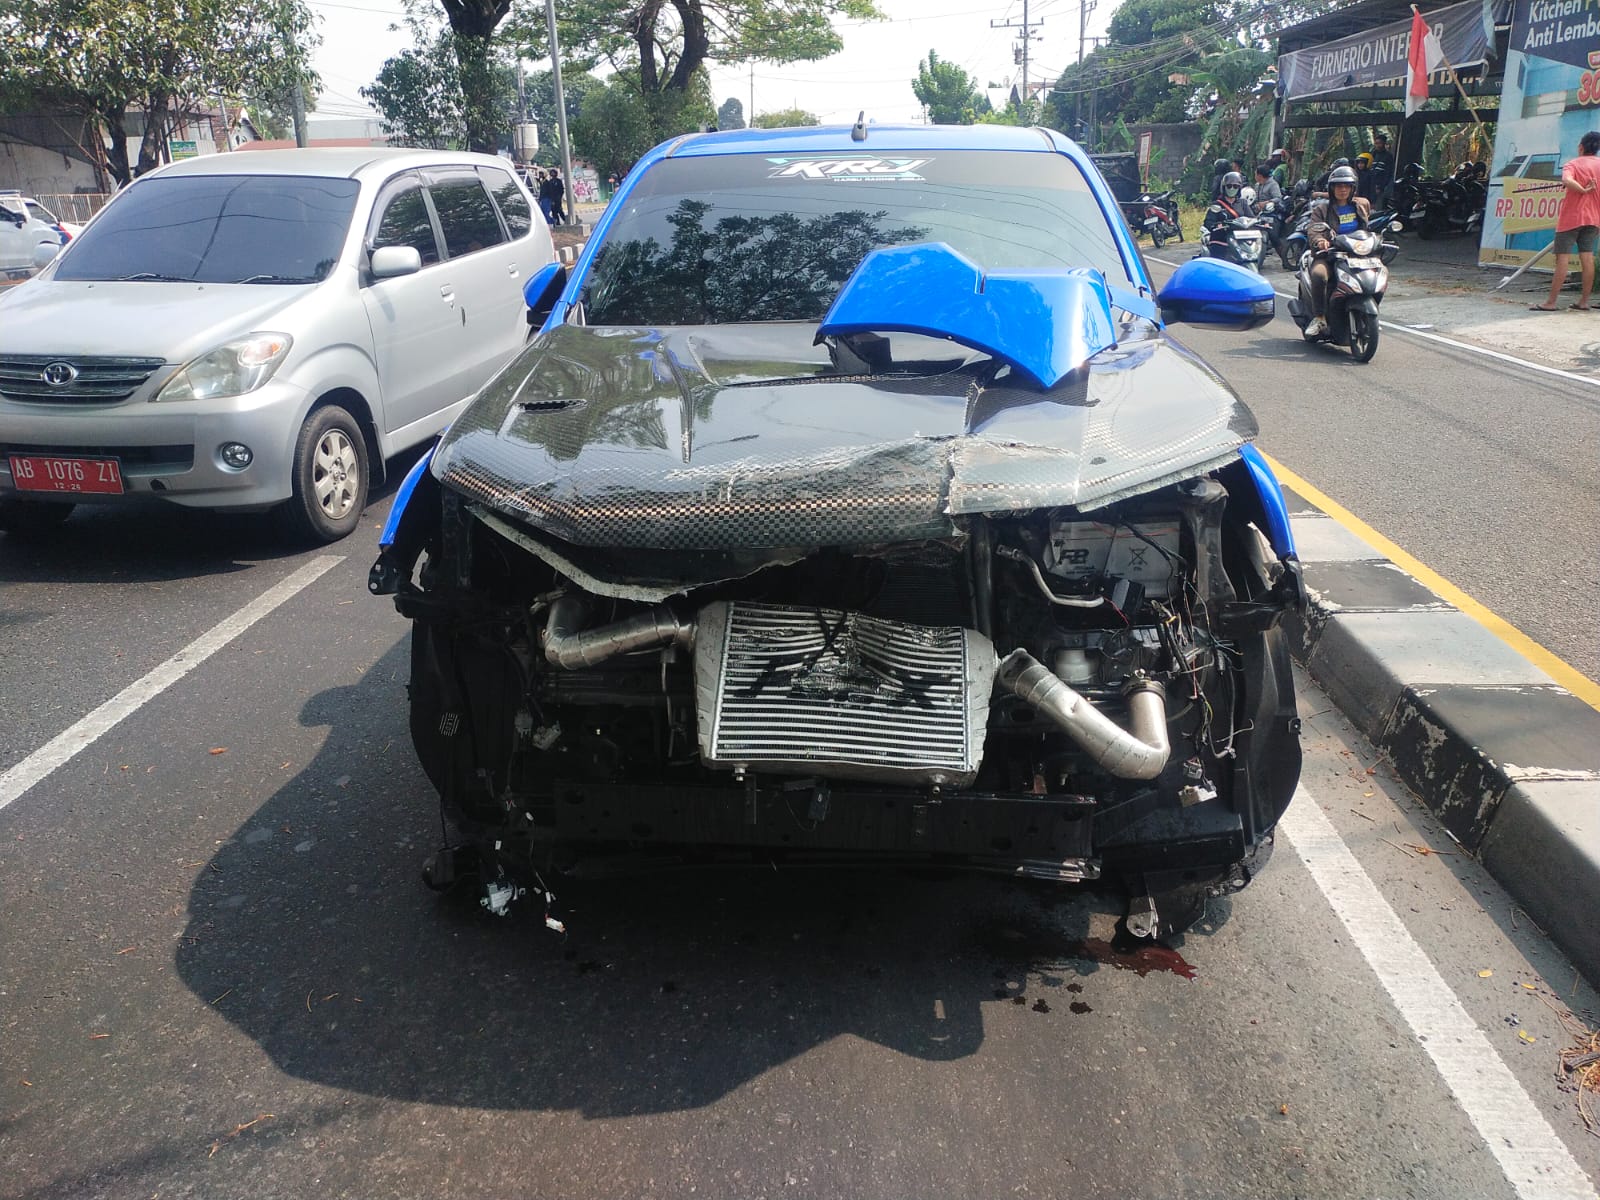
(558, 194)
(544, 196)
(1382, 159)
(1577, 221)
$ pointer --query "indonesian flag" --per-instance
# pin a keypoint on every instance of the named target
(1423, 60)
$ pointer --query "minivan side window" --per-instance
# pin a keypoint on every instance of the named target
(466, 216)
(508, 198)
(405, 223)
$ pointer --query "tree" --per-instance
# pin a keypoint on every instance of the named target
(1025, 113)
(785, 118)
(99, 58)
(272, 113)
(950, 95)
(539, 93)
(731, 114)
(418, 94)
(472, 26)
(614, 129)
(666, 44)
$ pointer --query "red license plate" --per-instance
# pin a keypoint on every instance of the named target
(46, 473)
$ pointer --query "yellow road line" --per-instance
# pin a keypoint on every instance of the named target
(1568, 676)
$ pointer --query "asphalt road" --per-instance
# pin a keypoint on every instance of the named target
(220, 975)
(1486, 473)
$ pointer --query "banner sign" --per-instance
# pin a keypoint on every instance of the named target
(1528, 204)
(1550, 99)
(1560, 30)
(1146, 141)
(1378, 56)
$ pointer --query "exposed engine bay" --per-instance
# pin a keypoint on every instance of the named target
(1051, 693)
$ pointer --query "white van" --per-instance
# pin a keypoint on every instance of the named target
(262, 330)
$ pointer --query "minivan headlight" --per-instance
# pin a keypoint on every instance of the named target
(232, 369)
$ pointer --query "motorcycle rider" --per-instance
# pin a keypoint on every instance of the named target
(1321, 184)
(1267, 188)
(1218, 169)
(1341, 211)
(1228, 205)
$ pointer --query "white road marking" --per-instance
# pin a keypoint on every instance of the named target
(1420, 332)
(1536, 1162)
(67, 744)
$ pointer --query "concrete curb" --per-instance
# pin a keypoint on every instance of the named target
(1506, 758)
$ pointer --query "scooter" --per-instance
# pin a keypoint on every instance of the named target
(1245, 242)
(1159, 218)
(1357, 280)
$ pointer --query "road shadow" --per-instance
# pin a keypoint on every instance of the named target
(310, 931)
(153, 542)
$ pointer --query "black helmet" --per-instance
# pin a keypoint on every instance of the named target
(1342, 174)
(1221, 166)
(1340, 162)
(1231, 183)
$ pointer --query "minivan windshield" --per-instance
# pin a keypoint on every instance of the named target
(217, 229)
(755, 237)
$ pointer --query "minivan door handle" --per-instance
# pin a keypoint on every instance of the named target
(448, 294)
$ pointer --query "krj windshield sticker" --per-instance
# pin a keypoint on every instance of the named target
(847, 169)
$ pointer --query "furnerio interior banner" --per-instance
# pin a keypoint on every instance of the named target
(1378, 56)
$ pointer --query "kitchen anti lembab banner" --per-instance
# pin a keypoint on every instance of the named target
(1551, 99)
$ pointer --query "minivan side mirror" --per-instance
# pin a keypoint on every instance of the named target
(543, 289)
(390, 261)
(44, 254)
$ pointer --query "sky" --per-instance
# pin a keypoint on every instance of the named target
(872, 73)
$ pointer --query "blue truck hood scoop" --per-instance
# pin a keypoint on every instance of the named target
(1044, 324)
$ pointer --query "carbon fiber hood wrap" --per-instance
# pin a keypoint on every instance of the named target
(743, 438)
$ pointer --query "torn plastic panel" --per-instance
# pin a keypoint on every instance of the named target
(1274, 510)
(1045, 324)
(412, 526)
(634, 438)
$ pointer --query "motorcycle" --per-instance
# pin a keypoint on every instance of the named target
(1159, 218)
(1453, 205)
(1243, 242)
(1357, 280)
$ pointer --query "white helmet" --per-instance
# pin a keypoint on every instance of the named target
(1248, 195)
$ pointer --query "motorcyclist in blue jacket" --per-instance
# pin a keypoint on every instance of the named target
(1340, 211)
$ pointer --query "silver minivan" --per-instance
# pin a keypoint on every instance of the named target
(262, 330)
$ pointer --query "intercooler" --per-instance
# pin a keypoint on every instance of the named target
(816, 691)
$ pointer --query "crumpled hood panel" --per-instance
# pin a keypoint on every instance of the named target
(743, 438)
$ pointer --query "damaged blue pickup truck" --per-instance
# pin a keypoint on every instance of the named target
(852, 503)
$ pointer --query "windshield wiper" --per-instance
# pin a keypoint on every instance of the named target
(159, 278)
(269, 278)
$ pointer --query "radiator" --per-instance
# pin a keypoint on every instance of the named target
(816, 691)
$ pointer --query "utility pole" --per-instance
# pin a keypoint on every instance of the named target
(1027, 28)
(561, 108)
(297, 96)
(750, 117)
(1085, 7)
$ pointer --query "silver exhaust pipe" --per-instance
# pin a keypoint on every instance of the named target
(568, 645)
(1138, 752)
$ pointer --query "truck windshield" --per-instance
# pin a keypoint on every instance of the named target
(217, 229)
(752, 237)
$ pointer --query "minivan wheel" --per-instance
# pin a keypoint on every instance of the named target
(31, 518)
(330, 478)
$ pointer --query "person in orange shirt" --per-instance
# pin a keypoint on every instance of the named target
(1577, 221)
